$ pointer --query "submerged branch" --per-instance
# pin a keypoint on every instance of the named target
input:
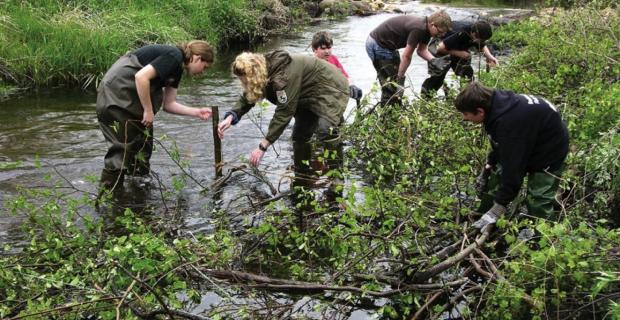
(275, 284)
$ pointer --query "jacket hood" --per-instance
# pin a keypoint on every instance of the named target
(501, 103)
(277, 61)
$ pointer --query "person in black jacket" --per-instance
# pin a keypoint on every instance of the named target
(528, 137)
(453, 53)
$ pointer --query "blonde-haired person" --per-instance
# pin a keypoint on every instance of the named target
(131, 93)
(404, 31)
(302, 87)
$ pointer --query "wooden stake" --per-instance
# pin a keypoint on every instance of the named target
(217, 143)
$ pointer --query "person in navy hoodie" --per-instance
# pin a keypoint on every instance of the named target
(528, 138)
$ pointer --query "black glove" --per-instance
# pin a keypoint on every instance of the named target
(355, 92)
(437, 66)
(482, 180)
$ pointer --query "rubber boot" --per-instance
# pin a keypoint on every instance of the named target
(110, 181)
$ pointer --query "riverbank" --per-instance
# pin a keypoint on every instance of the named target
(52, 43)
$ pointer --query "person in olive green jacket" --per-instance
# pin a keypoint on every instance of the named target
(308, 89)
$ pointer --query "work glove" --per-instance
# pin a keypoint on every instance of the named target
(491, 216)
(437, 66)
(482, 180)
(432, 45)
(355, 92)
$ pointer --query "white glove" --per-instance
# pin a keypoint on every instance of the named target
(491, 216)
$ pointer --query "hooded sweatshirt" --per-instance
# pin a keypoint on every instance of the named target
(527, 135)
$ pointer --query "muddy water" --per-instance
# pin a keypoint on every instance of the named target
(58, 129)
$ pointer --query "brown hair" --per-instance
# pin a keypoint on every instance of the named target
(441, 20)
(253, 67)
(322, 38)
(197, 47)
(474, 96)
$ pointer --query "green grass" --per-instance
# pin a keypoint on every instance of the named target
(44, 43)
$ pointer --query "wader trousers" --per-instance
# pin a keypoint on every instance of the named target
(120, 113)
(386, 63)
(387, 73)
(461, 67)
(541, 189)
(306, 125)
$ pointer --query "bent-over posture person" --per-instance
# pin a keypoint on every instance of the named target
(305, 88)
(453, 50)
(528, 138)
(131, 93)
(405, 31)
(302, 87)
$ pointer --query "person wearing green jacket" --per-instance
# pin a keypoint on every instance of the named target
(308, 89)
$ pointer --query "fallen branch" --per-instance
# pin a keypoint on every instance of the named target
(263, 282)
(219, 182)
(422, 276)
(426, 305)
(67, 307)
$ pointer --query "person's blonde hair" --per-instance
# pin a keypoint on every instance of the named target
(197, 47)
(253, 67)
(441, 20)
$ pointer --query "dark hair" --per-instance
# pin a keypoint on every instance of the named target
(474, 96)
(322, 38)
(482, 29)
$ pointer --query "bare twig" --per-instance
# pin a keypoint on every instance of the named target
(67, 307)
(444, 265)
(148, 287)
(426, 305)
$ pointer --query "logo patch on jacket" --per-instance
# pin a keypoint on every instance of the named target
(282, 98)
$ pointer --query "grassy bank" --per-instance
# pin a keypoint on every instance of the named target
(48, 43)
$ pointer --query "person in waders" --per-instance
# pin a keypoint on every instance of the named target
(302, 87)
(453, 50)
(130, 94)
(322, 43)
(528, 138)
(404, 31)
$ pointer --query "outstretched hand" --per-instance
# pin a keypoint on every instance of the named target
(147, 118)
(223, 126)
(204, 113)
(255, 156)
(492, 61)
